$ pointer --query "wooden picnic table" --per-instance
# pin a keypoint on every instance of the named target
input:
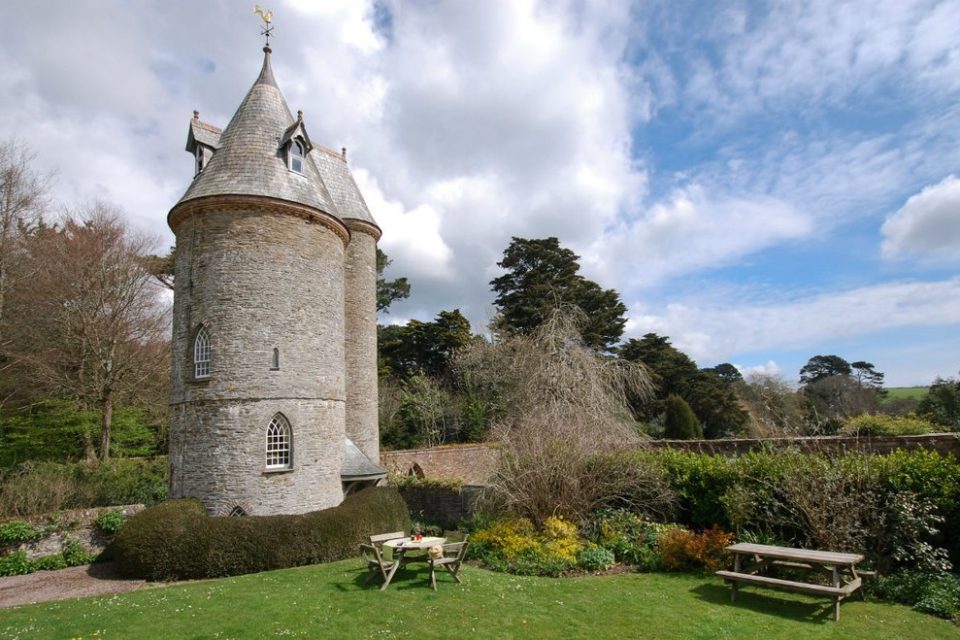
(750, 560)
(400, 546)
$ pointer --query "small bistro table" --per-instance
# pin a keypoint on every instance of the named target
(400, 546)
(750, 559)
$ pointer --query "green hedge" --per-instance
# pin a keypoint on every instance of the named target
(707, 487)
(177, 540)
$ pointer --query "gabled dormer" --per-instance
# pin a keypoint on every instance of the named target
(203, 140)
(295, 145)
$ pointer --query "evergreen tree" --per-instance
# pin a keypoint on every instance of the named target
(680, 422)
(673, 373)
(389, 291)
(543, 276)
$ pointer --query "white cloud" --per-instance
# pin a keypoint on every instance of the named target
(827, 52)
(692, 230)
(928, 225)
(714, 329)
(771, 368)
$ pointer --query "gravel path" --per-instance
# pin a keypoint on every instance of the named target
(75, 582)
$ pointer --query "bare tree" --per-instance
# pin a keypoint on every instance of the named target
(566, 424)
(92, 323)
(22, 199)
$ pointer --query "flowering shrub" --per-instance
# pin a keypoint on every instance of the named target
(514, 545)
(682, 549)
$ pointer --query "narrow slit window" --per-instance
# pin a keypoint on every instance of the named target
(279, 443)
(275, 362)
(201, 354)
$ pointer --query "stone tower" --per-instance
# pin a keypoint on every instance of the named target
(274, 381)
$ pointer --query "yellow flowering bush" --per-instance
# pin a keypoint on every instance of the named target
(515, 545)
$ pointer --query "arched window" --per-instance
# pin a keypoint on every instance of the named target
(275, 363)
(201, 353)
(296, 156)
(279, 443)
(237, 512)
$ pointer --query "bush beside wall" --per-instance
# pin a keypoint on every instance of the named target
(178, 540)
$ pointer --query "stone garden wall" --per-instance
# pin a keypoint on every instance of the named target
(73, 525)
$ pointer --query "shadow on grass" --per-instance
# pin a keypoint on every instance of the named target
(767, 603)
(407, 577)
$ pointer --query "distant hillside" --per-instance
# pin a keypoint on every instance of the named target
(903, 393)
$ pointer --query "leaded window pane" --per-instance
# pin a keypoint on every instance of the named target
(278, 443)
(201, 354)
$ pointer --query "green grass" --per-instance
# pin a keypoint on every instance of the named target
(904, 393)
(331, 601)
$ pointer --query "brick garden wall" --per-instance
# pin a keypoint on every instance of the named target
(474, 464)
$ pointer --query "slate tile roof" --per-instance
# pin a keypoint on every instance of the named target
(341, 185)
(249, 160)
(356, 465)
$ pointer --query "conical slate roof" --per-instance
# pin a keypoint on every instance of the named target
(341, 185)
(249, 160)
(356, 464)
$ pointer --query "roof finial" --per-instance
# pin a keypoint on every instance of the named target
(196, 114)
(267, 17)
(343, 152)
(299, 115)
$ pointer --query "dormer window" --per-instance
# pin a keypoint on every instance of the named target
(296, 156)
(201, 160)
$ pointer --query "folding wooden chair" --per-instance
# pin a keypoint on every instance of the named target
(452, 558)
(375, 562)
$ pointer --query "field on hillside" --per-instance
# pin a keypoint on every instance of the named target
(904, 393)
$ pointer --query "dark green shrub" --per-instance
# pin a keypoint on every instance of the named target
(177, 540)
(680, 422)
(17, 532)
(937, 594)
(110, 522)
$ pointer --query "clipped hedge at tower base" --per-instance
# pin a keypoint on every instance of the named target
(177, 540)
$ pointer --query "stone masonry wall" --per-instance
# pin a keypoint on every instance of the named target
(360, 314)
(258, 279)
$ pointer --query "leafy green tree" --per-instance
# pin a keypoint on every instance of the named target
(680, 423)
(541, 277)
(712, 400)
(726, 372)
(942, 403)
(423, 347)
(389, 291)
(820, 367)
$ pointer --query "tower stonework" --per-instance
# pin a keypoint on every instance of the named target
(274, 388)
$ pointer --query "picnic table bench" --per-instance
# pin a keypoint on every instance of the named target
(751, 559)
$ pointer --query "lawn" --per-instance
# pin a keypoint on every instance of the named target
(331, 601)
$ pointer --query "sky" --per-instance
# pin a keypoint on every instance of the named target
(760, 181)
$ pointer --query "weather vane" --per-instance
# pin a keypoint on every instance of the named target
(267, 17)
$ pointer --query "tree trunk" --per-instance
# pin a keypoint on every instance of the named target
(107, 411)
(89, 453)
